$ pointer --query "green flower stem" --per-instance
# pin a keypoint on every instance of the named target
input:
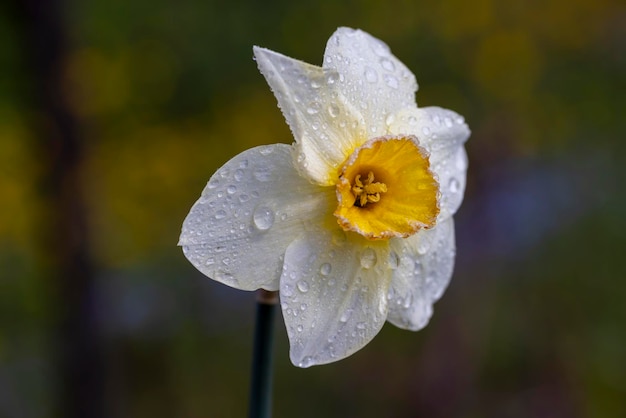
(262, 359)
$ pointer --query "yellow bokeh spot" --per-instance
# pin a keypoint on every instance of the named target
(386, 189)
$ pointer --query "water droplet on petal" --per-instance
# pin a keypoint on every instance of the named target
(262, 174)
(299, 328)
(380, 48)
(394, 260)
(239, 173)
(231, 189)
(408, 301)
(387, 64)
(313, 108)
(345, 315)
(390, 119)
(213, 183)
(391, 81)
(361, 325)
(263, 218)
(266, 150)
(454, 185)
(286, 290)
(306, 362)
(368, 258)
(303, 286)
(423, 247)
(325, 269)
(426, 130)
(333, 110)
(371, 75)
(220, 214)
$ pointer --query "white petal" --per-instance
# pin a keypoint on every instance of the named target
(442, 132)
(373, 80)
(249, 212)
(324, 125)
(333, 296)
(425, 264)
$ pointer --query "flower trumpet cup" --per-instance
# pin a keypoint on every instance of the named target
(352, 223)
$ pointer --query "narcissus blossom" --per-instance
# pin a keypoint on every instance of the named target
(353, 222)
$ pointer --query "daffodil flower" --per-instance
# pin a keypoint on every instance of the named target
(353, 222)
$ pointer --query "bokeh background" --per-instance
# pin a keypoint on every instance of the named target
(114, 114)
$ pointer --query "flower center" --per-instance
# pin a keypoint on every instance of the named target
(367, 191)
(386, 189)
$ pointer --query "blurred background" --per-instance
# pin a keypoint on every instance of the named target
(114, 114)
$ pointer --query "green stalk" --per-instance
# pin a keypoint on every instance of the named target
(262, 359)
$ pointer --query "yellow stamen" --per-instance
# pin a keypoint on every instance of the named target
(368, 191)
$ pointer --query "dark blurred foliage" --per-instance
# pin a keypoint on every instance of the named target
(114, 114)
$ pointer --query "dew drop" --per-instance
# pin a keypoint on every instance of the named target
(262, 174)
(387, 64)
(380, 48)
(454, 185)
(244, 198)
(345, 315)
(303, 286)
(361, 325)
(333, 110)
(394, 260)
(325, 269)
(313, 108)
(239, 173)
(422, 248)
(370, 75)
(412, 120)
(299, 328)
(243, 164)
(447, 122)
(331, 282)
(368, 258)
(306, 362)
(286, 290)
(332, 78)
(263, 218)
(303, 307)
(231, 189)
(220, 214)
(408, 301)
(266, 150)
(213, 183)
(390, 119)
(426, 130)
(391, 81)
